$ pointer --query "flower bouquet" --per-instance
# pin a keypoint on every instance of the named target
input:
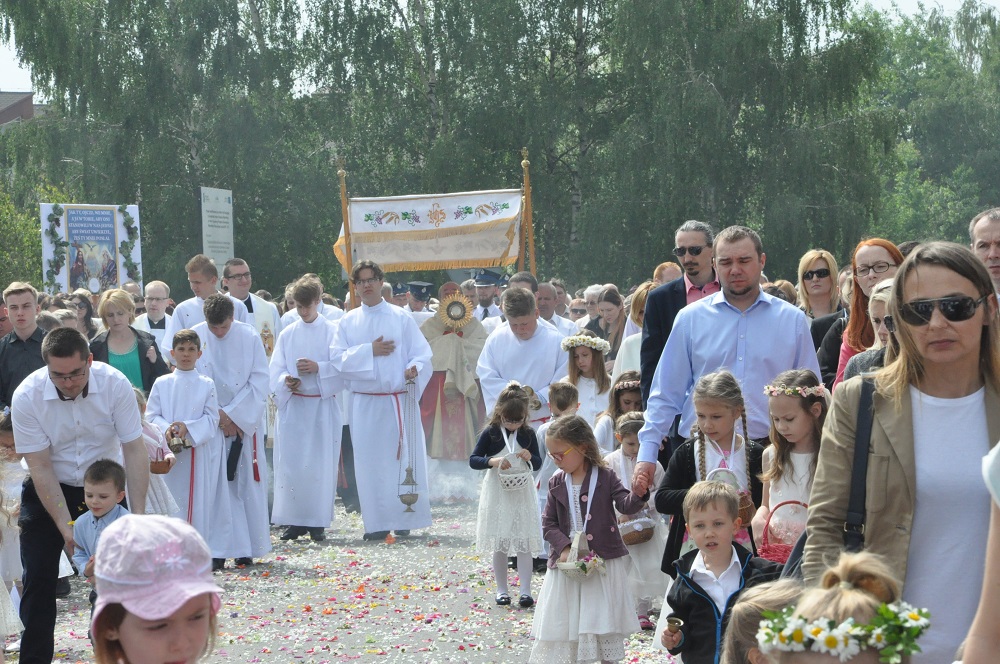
(581, 562)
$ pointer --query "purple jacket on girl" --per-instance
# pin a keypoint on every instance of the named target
(603, 537)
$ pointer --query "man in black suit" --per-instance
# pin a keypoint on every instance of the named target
(693, 248)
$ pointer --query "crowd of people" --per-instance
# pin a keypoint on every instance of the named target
(662, 453)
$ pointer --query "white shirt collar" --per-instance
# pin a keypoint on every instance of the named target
(699, 564)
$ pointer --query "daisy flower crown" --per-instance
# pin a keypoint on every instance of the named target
(598, 344)
(781, 390)
(893, 633)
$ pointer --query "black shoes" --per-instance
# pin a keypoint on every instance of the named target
(402, 533)
(503, 599)
(377, 536)
(317, 534)
(294, 532)
(243, 562)
(218, 564)
(62, 587)
(540, 565)
(526, 601)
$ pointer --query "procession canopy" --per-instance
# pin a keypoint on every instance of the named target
(434, 232)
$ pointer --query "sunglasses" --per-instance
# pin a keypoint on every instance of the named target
(579, 311)
(954, 308)
(694, 251)
(821, 273)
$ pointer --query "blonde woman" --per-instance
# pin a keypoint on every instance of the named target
(817, 288)
(131, 351)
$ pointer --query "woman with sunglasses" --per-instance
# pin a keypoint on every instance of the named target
(874, 260)
(817, 288)
(84, 308)
(936, 414)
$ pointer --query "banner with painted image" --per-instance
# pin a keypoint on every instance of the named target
(435, 232)
(95, 247)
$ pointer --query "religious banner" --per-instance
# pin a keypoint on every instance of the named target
(96, 247)
(217, 224)
(434, 232)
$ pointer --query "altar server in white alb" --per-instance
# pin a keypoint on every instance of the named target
(183, 404)
(327, 311)
(305, 383)
(522, 350)
(382, 409)
(203, 277)
(233, 356)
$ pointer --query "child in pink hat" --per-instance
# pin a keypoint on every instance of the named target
(156, 599)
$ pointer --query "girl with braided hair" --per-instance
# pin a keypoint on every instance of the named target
(714, 445)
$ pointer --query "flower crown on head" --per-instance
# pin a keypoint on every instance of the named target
(626, 385)
(893, 633)
(596, 343)
(781, 390)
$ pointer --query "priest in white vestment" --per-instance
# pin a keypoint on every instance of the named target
(523, 350)
(233, 356)
(203, 277)
(197, 479)
(305, 381)
(385, 416)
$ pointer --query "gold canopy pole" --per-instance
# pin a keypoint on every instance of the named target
(527, 213)
(342, 174)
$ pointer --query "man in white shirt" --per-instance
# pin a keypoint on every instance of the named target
(984, 235)
(523, 350)
(156, 317)
(203, 278)
(590, 294)
(67, 415)
(546, 299)
(486, 290)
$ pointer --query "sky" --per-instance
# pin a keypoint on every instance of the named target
(15, 78)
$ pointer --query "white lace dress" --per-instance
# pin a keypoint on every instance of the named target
(794, 484)
(584, 620)
(508, 521)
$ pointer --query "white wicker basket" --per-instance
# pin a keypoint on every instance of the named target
(517, 476)
(572, 568)
(637, 531)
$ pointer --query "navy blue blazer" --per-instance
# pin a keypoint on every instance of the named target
(662, 305)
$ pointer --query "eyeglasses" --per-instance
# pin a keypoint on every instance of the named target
(243, 275)
(155, 299)
(877, 268)
(694, 251)
(68, 378)
(821, 273)
(559, 456)
(955, 308)
(579, 312)
(366, 282)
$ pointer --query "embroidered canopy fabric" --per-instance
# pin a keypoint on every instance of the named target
(434, 232)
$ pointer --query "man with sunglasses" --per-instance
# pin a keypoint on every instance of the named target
(693, 248)
(67, 415)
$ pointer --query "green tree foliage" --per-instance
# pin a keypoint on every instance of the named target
(812, 124)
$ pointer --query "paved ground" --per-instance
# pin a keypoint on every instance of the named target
(424, 599)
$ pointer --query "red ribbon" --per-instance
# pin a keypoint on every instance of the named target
(458, 332)
(191, 489)
(256, 470)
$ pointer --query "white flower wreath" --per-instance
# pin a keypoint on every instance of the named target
(595, 343)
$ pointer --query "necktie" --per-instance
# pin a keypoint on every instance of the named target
(486, 313)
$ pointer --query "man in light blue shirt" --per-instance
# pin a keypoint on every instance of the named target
(740, 328)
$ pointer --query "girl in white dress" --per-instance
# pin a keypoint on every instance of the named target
(159, 500)
(587, 372)
(509, 522)
(625, 396)
(798, 405)
(646, 580)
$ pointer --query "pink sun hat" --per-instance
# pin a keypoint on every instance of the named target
(152, 565)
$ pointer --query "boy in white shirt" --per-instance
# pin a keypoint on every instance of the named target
(710, 580)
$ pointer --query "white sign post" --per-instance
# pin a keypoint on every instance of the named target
(217, 225)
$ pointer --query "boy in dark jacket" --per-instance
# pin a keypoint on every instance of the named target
(709, 580)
